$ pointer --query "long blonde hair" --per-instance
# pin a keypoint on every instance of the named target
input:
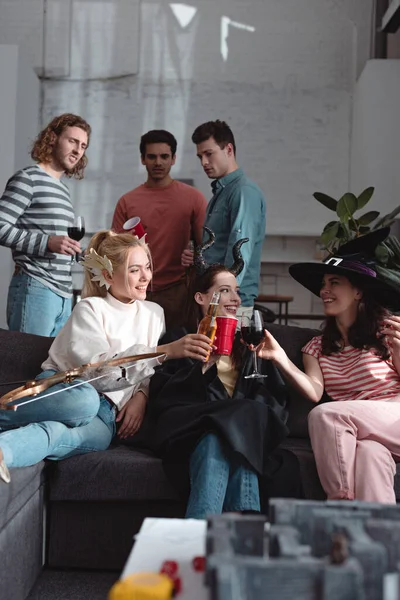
(116, 247)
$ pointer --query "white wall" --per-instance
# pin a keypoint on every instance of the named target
(286, 89)
(19, 118)
(8, 100)
(8, 96)
(375, 147)
(27, 113)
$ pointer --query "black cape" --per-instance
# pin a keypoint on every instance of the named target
(185, 404)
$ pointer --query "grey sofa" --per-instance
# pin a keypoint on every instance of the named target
(94, 503)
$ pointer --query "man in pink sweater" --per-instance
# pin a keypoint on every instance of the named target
(172, 213)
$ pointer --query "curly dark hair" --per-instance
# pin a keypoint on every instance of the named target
(157, 136)
(219, 130)
(42, 148)
(364, 332)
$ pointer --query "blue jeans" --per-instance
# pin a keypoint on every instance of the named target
(34, 308)
(219, 481)
(76, 421)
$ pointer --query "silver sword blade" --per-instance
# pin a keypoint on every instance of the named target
(41, 397)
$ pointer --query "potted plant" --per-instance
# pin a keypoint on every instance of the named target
(347, 227)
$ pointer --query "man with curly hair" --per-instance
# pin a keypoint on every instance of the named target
(35, 213)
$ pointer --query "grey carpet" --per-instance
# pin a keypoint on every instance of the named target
(73, 585)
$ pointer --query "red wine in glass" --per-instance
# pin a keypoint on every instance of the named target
(251, 335)
(77, 232)
(252, 330)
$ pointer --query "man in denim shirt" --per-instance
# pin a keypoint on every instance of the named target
(236, 210)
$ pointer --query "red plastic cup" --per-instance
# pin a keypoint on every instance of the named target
(226, 327)
(135, 227)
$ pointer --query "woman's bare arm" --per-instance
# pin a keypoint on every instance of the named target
(391, 328)
(310, 384)
(192, 345)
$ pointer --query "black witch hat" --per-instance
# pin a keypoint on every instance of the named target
(356, 260)
(201, 265)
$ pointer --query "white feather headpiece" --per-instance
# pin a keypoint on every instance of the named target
(96, 264)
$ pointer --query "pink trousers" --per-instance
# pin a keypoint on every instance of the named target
(356, 444)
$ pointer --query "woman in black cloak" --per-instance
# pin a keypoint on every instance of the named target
(216, 430)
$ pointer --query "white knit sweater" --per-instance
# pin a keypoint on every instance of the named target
(101, 328)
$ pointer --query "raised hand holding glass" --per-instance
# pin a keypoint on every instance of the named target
(76, 232)
(252, 330)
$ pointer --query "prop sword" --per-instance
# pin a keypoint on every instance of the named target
(36, 386)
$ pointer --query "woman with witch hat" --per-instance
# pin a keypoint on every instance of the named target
(216, 430)
(355, 438)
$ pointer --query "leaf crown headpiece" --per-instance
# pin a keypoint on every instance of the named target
(96, 264)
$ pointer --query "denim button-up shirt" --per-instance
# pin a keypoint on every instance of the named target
(237, 210)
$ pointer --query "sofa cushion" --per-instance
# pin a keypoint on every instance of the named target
(120, 473)
(21, 357)
(25, 481)
(292, 339)
(301, 448)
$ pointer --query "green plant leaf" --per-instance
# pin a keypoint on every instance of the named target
(345, 234)
(346, 207)
(393, 243)
(326, 200)
(368, 217)
(391, 253)
(342, 234)
(353, 225)
(382, 254)
(330, 224)
(364, 230)
(364, 197)
(330, 234)
(387, 220)
(389, 274)
(393, 246)
(393, 214)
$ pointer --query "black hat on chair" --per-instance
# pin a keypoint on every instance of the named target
(355, 260)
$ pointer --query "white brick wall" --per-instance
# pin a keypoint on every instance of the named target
(286, 89)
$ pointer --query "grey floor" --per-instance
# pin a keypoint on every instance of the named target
(73, 585)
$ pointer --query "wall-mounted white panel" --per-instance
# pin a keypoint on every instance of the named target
(8, 102)
(376, 134)
(27, 113)
(21, 23)
(91, 39)
(19, 117)
(57, 38)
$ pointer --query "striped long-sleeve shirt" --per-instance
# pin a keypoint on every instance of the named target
(33, 207)
(355, 374)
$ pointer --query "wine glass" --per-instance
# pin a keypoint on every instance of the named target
(76, 232)
(252, 330)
